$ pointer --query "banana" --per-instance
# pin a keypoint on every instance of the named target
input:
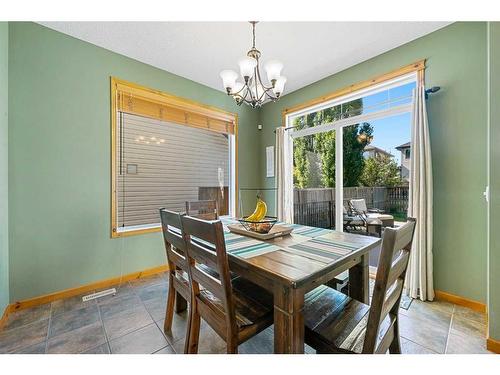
(255, 213)
(260, 211)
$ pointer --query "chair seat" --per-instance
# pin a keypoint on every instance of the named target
(360, 222)
(253, 304)
(380, 216)
(337, 323)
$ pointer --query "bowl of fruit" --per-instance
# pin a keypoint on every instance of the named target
(258, 221)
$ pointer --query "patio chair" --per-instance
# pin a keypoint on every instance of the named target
(360, 208)
(356, 221)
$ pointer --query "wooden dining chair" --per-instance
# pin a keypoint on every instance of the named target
(336, 323)
(175, 247)
(236, 309)
(206, 210)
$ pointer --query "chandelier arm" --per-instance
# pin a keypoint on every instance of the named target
(264, 93)
(265, 89)
(260, 80)
(249, 90)
(272, 97)
(237, 93)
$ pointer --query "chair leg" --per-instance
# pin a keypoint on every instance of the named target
(169, 311)
(188, 331)
(231, 346)
(395, 347)
(194, 334)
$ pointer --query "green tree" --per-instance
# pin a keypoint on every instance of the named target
(301, 166)
(380, 171)
(354, 145)
(300, 161)
(355, 138)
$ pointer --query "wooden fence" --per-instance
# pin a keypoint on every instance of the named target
(316, 207)
(315, 214)
(397, 199)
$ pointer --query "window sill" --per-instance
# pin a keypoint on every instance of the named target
(135, 230)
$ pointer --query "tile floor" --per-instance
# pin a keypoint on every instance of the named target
(132, 322)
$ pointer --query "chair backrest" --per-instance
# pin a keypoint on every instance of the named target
(359, 205)
(174, 242)
(389, 281)
(206, 210)
(206, 246)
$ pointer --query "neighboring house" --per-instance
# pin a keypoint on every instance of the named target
(375, 152)
(405, 160)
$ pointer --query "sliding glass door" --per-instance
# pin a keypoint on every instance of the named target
(362, 141)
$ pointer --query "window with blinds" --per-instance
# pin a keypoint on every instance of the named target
(164, 156)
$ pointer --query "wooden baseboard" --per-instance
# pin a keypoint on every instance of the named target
(493, 345)
(461, 301)
(5, 316)
(36, 301)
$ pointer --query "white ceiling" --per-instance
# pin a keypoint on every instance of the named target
(198, 51)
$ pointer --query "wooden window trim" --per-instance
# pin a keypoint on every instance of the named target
(155, 104)
(418, 66)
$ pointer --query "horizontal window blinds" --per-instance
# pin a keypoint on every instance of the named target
(133, 99)
(163, 164)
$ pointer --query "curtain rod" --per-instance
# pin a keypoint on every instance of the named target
(432, 90)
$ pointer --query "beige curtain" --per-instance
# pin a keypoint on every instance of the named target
(284, 165)
(419, 277)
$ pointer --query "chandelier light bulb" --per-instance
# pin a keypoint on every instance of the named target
(229, 79)
(273, 69)
(247, 65)
(279, 85)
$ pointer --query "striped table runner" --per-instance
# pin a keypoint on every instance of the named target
(246, 247)
(312, 232)
(326, 248)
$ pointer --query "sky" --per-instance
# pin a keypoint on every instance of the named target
(390, 132)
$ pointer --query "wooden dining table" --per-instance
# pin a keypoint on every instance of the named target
(291, 266)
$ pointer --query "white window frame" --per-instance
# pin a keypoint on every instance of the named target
(338, 126)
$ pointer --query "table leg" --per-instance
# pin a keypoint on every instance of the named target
(288, 320)
(359, 280)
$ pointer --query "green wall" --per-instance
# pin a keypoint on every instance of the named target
(59, 158)
(456, 61)
(4, 199)
(59, 139)
(494, 256)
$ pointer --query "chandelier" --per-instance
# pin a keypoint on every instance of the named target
(251, 90)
